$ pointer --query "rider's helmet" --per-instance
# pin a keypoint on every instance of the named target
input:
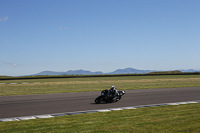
(112, 88)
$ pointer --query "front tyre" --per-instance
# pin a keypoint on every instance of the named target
(118, 98)
(98, 99)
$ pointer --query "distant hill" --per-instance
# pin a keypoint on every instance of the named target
(49, 73)
(190, 70)
(129, 71)
(118, 71)
(86, 72)
(81, 72)
(70, 72)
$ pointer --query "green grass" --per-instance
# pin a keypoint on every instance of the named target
(181, 118)
(67, 85)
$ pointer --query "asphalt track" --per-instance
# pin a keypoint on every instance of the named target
(28, 105)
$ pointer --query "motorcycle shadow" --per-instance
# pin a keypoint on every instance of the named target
(102, 103)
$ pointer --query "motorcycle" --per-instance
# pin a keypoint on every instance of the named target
(108, 98)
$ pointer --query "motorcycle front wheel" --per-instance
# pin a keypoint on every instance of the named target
(98, 99)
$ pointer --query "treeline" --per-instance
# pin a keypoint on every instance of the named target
(166, 72)
(101, 75)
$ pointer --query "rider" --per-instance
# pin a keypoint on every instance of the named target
(113, 91)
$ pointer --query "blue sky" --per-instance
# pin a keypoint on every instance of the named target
(98, 35)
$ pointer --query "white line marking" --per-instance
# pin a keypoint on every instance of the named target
(193, 102)
(115, 109)
(103, 110)
(13, 83)
(172, 104)
(9, 119)
(26, 118)
(182, 103)
(128, 108)
(19, 83)
(44, 116)
(92, 111)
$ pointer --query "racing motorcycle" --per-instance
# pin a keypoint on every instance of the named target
(107, 97)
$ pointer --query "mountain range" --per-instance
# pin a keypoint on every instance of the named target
(118, 71)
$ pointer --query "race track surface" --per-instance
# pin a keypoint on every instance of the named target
(17, 106)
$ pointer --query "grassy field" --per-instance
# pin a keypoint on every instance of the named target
(67, 85)
(182, 118)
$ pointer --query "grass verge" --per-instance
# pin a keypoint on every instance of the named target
(181, 118)
(67, 85)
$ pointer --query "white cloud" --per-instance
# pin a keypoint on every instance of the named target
(63, 28)
(4, 19)
(8, 64)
